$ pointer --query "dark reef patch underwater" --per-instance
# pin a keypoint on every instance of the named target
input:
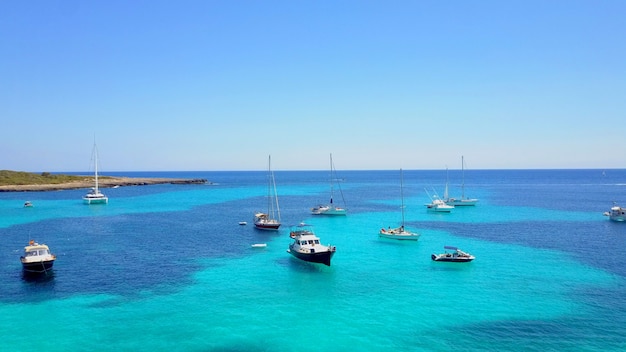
(168, 267)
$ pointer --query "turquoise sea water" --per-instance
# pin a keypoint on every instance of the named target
(168, 268)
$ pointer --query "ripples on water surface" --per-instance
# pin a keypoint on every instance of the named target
(168, 267)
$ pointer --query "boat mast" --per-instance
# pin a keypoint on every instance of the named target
(95, 151)
(462, 178)
(445, 191)
(271, 209)
(402, 194)
(331, 178)
(275, 196)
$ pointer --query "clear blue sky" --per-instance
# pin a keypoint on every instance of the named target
(220, 85)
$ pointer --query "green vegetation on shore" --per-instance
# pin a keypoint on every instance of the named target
(10, 178)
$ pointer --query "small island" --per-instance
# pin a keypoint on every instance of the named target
(19, 181)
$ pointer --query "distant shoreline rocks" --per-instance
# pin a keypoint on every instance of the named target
(103, 182)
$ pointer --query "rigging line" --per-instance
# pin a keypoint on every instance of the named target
(333, 173)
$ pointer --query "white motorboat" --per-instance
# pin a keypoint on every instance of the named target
(617, 213)
(452, 254)
(438, 205)
(306, 246)
(37, 258)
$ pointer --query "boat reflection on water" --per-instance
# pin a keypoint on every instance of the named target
(31, 277)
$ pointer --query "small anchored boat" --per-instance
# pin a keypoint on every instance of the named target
(306, 246)
(437, 204)
(399, 233)
(37, 258)
(330, 209)
(269, 220)
(95, 196)
(617, 213)
(463, 201)
(452, 254)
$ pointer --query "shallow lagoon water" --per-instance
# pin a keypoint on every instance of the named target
(167, 267)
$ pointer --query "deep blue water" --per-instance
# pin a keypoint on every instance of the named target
(167, 267)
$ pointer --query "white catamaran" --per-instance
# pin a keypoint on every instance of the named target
(95, 196)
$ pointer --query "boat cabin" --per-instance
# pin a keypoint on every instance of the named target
(617, 211)
(307, 240)
(35, 250)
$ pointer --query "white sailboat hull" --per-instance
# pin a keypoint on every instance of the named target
(461, 202)
(399, 233)
(269, 221)
(328, 210)
(396, 234)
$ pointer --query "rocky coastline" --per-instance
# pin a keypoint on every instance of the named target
(104, 182)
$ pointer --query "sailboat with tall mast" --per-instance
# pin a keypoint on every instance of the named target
(330, 209)
(463, 201)
(399, 233)
(269, 220)
(95, 196)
